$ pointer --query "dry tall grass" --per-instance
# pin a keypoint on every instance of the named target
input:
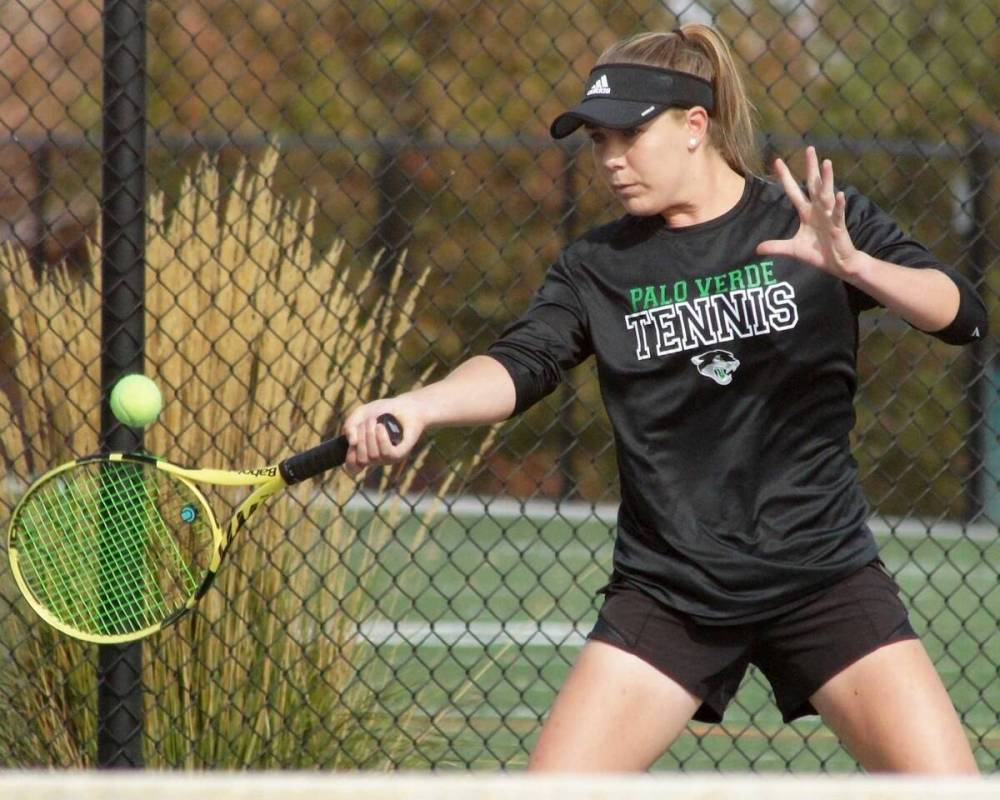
(259, 343)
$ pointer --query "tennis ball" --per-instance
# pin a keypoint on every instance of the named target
(136, 401)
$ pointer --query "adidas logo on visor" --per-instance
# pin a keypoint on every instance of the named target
(600, 86)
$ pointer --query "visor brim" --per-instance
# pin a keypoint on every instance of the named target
(605, 112)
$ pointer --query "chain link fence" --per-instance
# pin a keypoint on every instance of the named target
(343, 198)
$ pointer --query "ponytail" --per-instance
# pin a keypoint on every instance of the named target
(700, 50)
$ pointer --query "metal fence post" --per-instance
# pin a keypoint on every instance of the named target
(393, 229)
(41, 164)
(119, 702)
(979, 491)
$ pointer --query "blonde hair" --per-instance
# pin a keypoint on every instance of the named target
(699, 50)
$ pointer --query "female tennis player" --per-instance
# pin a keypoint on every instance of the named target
(722, 311)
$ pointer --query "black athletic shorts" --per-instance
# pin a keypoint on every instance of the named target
(798, 650)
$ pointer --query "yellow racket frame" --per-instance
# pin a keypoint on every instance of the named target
(267, 480)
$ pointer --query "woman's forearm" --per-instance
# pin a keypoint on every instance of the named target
(479, 391)
(926, 298)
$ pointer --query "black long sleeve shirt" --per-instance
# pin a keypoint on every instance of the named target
(729, 382)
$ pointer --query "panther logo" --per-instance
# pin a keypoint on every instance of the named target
(719, 365)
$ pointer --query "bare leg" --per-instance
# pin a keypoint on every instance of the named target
(616, 713)
(893, 714)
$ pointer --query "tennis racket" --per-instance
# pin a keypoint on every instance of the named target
(114, 547)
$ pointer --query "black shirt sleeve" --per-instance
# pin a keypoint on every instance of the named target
(550, 338)
(876, 233)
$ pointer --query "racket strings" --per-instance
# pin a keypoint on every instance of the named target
(113, 548)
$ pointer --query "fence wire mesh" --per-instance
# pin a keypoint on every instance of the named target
(345, 198)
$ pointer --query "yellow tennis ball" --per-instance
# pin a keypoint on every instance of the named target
(136, 401)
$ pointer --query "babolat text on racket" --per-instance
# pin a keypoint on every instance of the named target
(113, 547)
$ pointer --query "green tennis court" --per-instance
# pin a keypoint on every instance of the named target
(480, 616)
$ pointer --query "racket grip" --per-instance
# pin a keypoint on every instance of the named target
(331, 453)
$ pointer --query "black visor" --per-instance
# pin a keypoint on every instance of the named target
(627, 95)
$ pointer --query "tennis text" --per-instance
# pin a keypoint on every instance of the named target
(711, 320)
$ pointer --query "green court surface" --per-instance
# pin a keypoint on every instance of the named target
(480, 617)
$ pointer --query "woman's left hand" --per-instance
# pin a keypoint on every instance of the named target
(822, 239)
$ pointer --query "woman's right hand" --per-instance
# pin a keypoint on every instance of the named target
(479, 391)
(369, 441)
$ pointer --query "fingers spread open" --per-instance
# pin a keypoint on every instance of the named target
(840, 211)
(814, 180)
(827, 190)
(791, 187)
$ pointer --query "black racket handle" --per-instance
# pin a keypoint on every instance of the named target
(331, 453)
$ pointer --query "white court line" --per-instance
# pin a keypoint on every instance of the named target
(579, 511)
(454, 633)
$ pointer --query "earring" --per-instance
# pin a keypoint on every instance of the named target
(692, 143)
